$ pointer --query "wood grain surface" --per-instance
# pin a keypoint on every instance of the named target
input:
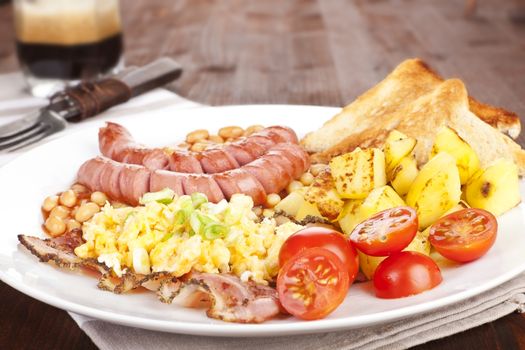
(320, 52)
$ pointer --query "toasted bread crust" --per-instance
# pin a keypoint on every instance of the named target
(447, 105)
(409, 81)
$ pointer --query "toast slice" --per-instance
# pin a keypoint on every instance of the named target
(407, 82)
(422, 118)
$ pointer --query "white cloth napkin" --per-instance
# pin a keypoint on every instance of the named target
(486, 307)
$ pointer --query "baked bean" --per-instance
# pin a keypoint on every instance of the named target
(60, 212)
(117, 205)
(68, 198)
(216, 139)
(55, 226)
(50, 203)
(268, 213)
(273, 199)
(294, 186)
(231, 132)
(99, 198)
(252, 129)
(86, 211)
(317, 168)
(72, 224)
(197, 135)
(307, 179)
(74, 211)
(78, 188)
(198, 147)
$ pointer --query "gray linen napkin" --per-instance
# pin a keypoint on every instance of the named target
(486, 307)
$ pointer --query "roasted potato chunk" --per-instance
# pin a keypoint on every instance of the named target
(349, 216)
(307, 209)
(397, 146)
(358, 172)
(356, 210)
(435, 190)
(291, 204)
(381, 198)
(404, 174)
(467, 161)
(323, 194)
(495, 188)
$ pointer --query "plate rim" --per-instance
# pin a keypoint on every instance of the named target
(243, 330)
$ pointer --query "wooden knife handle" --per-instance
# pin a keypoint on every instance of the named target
(88, 99)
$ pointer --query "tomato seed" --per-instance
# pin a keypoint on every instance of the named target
(396, 213)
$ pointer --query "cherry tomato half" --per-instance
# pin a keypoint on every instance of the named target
(404, 274)
(321, 237)
(387, 232)
(464, 235)
(312, 284)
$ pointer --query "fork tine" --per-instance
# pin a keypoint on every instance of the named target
(20, 135)
(13, 142)
(19, 132)
(25, 143)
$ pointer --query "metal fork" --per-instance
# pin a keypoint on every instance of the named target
(86, 100)
(28, 131)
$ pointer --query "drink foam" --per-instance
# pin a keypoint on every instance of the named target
(66, 22)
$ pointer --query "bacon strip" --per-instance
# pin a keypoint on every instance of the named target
(59, 250)
(226, 296)
(131, 280)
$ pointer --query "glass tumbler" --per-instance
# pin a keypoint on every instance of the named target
(60, 42)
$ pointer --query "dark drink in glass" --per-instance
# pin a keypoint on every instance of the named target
(63, 41)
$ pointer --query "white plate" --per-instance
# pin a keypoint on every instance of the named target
(26, 181)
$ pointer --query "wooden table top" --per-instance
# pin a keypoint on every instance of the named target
(323, 52)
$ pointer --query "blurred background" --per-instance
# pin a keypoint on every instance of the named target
(322, 52)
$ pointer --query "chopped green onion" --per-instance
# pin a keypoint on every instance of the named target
(195, 222)
(180, 218)
(164, 196)
(199, 221)
(167, 236)
(214, 230)
(198, 199)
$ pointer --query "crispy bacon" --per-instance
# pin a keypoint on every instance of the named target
(226, 296)
(59, 250)
(131, 280)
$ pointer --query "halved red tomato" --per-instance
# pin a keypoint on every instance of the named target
(464, 235)
(312, 284)
(404, 274)
(321, 237)
(387, 232)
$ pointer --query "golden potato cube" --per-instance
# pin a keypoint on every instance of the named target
(323, 194)
(435, 190)
(358, 210)
(397, 146)
(307, 209)
(467, 161)
(495, 188)
(349, 217)
(291, 204)
(404, 174)
(358, 172)
(380, 199)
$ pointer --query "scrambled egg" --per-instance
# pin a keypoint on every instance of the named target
(178, 234)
